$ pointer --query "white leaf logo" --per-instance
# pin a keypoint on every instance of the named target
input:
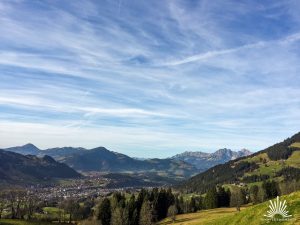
(277, 208)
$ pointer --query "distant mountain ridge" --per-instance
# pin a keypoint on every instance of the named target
(204, 161)
(28, 149)
(103, 160)
(23, 169)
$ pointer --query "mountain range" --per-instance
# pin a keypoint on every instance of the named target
(24, 169)
(102, 160)
(203, 161)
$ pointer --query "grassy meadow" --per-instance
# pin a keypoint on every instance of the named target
(201, 217)
(50, 213)
(252, 215)
(22, 222)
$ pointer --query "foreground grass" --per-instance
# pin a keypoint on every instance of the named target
(25, 222)
(294, 159)
(22, 222)
(252, 215)
(202, 217)
(296, 145)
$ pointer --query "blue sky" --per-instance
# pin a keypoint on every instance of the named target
(149, 78)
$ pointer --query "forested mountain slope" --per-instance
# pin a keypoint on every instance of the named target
(279, 162)
(17, 168)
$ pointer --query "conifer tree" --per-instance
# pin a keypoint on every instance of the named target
(146, 214)
(254, 194)
(172, 212)
(237, 198)
(104, 212)
(262, 194)
(211, 199)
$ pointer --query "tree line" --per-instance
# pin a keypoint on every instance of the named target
(150, 206)
(283, 149)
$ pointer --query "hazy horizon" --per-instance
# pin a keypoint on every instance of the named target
(161, 156)
(149, 78)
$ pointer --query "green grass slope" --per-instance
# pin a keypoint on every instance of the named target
(22, 222)
(250, 215)
(296, 145)
(254, 215)
(201, 218)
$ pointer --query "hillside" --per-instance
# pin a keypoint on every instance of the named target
(204, 161)
(251, 215)
(17, 168)
(28, 149)
(280, 162)
(101, 159)
(58, 153)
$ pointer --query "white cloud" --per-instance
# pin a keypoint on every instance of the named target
(190, 77)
